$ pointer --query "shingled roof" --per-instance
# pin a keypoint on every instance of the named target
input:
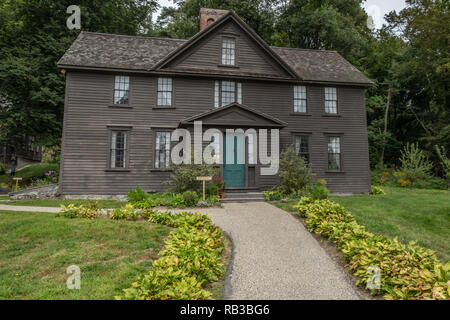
(134, 53)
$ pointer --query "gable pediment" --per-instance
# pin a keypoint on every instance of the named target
(235, 115)
(202, 53)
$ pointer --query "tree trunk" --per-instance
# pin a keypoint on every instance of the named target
(389, 96)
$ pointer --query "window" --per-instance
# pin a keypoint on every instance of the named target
(226, 92)
(251, 149)
(164, 91)
(302, 146)
(118, 151)
(162, 155)
(299, 99)
(228, 51)
(121, 89)
(334, 153)
(330, 100)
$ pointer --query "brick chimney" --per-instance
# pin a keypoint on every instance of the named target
(208, 16)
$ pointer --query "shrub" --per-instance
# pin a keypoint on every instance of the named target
(295, 174)
(137, 195)
(377, 191)
(319, 192)
(127, 212)
(2, 168)
(415, 163)
(89, 211)
(445, 162)
(407, 271)
(190, 260)
(190, 198)
(273, 195)
(184, 177)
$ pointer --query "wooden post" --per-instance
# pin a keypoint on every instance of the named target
(204, 179)
(17, 182)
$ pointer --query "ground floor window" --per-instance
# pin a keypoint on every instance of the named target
(162, 150)
(118, 151)
(334, 153)
(302, 146)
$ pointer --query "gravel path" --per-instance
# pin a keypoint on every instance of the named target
(274, 256)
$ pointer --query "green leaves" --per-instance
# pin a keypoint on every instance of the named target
(191, 259)
(406, 271)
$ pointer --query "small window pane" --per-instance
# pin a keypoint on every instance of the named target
(121, 89)
(330, 100)
(299, 99)
(239, 92)
(162, 149)
(216, 93)
(302, 146)
(164, 91)
(118, 149)
(228, 92)
(228, 51)
(334, 153)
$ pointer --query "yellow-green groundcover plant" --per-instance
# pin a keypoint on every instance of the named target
(190, 260)
(406, 271)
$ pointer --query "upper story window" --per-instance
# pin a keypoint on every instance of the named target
(330, 100)
(300, 99)
(118, 150)
(226, 92)
(302, 146)
(228, 51)
(165, 92)
(334, 153)
(121, 89)
(162, 149)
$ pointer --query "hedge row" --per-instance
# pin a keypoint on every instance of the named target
(406, 271)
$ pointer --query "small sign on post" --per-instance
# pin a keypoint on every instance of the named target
(204, 179)
(17, 182)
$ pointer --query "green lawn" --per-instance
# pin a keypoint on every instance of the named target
(4, 197)
(59, 202)
(28, 173)
(37, 248)
(409, 214)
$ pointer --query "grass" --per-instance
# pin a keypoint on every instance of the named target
(4, 197)
(29, 173)
(37, 248)
(59, 202)
(409, 214)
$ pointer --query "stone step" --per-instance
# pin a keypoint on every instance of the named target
(228, 200)
(254, 195)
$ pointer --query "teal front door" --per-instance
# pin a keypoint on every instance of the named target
(233, 156)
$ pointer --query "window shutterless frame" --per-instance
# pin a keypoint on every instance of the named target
(306, 153)
(121, 84)
(331, 101)
(300, 99)
(339, 155)
(235, 88)
(160, 143)
(223, 38)
(119, 128)
(164, 92)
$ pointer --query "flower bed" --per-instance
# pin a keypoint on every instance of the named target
(190, 260)
(406, 271)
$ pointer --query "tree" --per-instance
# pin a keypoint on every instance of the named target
(33, 37)
(295, 173)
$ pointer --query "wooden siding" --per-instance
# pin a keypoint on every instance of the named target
(89, 117)
(250, 58)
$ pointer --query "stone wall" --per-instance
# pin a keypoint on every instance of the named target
(49, 191)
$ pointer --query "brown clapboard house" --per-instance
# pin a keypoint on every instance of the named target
(126, 94)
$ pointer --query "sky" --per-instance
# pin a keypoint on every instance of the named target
(375, 8)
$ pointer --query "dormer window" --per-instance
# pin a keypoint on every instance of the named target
(228, 51)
